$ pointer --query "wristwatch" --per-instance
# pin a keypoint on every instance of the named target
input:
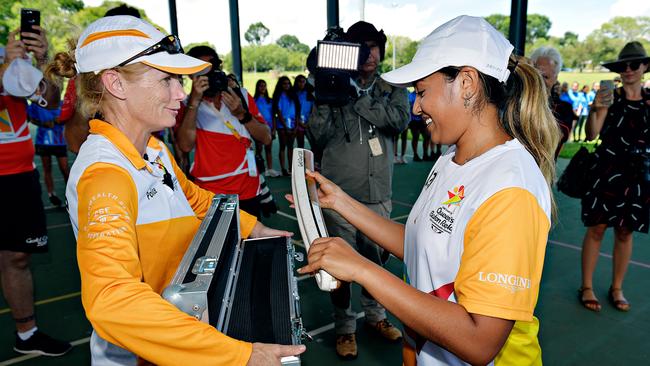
(247, 118)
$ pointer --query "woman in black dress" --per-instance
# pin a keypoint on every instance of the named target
(619, 195)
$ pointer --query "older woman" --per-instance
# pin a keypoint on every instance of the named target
(620, 194)
(132, 209)
(473, 245)
(549, 62)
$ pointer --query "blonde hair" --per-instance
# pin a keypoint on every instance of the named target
(89, 86)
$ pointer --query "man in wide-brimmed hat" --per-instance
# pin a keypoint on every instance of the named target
(632, 55)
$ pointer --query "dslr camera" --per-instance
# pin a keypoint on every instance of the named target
(217, 81)
(333, 63)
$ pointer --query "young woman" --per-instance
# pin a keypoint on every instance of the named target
(132, 209)
(265, 105)
(286, 111)
(305, 94)
(620, 195)
(474, 242)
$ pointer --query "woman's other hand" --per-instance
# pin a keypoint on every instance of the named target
(604, 98)
(270, 354)
(329, 194)
(233, 102)
(336, 257)
(199, 86)
(262, 231)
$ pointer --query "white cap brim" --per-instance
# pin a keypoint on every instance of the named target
(408, 74)
(179, 64)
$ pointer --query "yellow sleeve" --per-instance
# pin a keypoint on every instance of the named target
(501, 266)
(200, 199)
(121, 308)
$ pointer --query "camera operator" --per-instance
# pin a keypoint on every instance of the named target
(357, 144)
(23, 217)
(221, 123)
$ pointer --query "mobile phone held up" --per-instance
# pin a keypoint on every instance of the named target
(28, 19)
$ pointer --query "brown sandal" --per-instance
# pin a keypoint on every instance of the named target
(620, 305)
(590, 304)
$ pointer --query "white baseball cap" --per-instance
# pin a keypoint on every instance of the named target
(21, 79)
(110, 41)
(462, 41)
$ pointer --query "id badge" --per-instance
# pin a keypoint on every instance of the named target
(252, 165)
(375, 146)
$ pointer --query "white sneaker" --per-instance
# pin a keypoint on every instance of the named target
(267, 173)
(402, 160)
(274, 173)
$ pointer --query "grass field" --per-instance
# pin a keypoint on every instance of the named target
(585, 78)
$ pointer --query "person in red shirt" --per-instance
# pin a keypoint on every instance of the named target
(222, 125)
(22, 222)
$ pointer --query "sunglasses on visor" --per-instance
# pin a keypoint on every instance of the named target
(619, 68)
(170, 44)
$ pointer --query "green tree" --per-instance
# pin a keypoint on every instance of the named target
(627, 28)
(292, 43)
(406, 48)
(537, 26)
(256, 33)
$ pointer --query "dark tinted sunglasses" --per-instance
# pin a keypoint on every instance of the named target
(634, 65)
(170, 44)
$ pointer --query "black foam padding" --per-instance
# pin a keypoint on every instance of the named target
(261, 311)
(217, 289)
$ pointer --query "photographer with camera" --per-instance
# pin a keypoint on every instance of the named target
(23, 218)
(356, 138)
(222, 122)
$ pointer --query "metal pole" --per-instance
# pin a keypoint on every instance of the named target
(362, 10)
(235, 40)
(332, 13)
(172, 17)
(517, 33)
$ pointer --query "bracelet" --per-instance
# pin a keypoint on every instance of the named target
(192, 106)
(247, 118)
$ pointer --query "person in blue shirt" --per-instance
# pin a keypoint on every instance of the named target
(582, 112)
(286, 109)
(305, 94)
(49, 141)
(417, 127)
(265, 106)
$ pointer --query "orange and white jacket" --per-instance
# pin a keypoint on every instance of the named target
(132, 231)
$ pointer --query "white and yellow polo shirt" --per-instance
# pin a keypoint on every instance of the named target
(477, 236)
(132, 231)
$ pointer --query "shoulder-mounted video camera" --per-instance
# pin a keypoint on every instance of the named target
(333, 62)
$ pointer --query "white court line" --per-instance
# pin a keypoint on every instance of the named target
(606, 255)
(330, 326)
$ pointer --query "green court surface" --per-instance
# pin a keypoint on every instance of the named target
(569, 335)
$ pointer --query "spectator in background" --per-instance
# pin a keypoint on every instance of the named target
(592, 93)
(418, 128)
(265, 106)
(549, 63)
(564, 92)
(305, 93)
(357, 145)
(222, 127)
(402, 136)
(50, 142)
(620, 194)
(22, 219)
(581, 113)
(286, 109)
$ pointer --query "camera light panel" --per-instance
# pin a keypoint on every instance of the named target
(336, 55)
